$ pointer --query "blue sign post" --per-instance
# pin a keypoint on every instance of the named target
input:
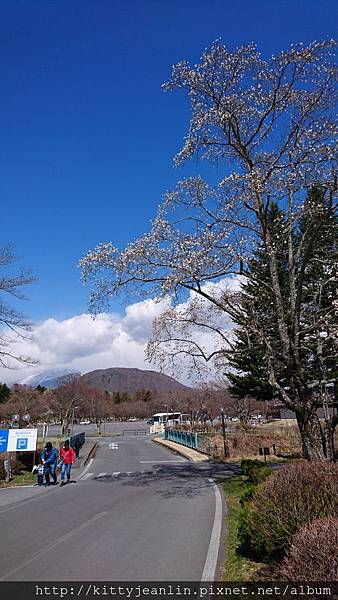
(18, 440)
(3, 440)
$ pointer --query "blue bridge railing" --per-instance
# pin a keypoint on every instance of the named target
(186, 438)
(201, 441)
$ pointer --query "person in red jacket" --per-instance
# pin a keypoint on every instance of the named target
(67, 456)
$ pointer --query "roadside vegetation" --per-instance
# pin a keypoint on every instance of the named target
(282, 524)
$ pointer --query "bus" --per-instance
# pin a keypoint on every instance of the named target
(165, 418)
(169, 418)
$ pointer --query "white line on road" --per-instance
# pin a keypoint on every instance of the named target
(59, 541)
(86, 469)
(101, 475)
(209, 571)
(116, 473)
(87, 475)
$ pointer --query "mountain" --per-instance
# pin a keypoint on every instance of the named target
(50, 378)
(119, 379)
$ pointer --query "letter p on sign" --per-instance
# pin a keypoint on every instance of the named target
(22, 443)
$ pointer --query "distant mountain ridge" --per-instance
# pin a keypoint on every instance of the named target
(50, 378)
(129, 380)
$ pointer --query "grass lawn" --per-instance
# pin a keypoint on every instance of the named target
(236, 567)
(22, 478)
(279, 423)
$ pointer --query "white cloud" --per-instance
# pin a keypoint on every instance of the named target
(84, 344)
(139, 317)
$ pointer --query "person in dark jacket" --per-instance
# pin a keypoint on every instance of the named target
(67, 456)
(49, 460)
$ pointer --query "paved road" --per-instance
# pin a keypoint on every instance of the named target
(137, 512)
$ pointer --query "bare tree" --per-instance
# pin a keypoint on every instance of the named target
(13, 324)
(269, 125)
(65, 399)
(25, 404)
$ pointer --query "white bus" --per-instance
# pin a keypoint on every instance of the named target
(163, 419)
(168, 418)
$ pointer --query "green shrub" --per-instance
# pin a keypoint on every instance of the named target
(244, 525)
(291, 497)
(259, 474)
(247, 465)
(247, 494)
(313, 553)
(255, 470)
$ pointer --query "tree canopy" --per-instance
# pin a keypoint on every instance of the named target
(269, 126)
(13, 324)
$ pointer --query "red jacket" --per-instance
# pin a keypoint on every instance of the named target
(67, 456)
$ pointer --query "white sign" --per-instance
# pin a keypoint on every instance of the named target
(22, 440)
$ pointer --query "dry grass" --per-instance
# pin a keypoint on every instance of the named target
(246, 441)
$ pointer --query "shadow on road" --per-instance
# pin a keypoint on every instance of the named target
(177, 481)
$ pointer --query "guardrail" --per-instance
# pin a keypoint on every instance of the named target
(202, 442)
(76, 440)
(186, 438)
(134, 432)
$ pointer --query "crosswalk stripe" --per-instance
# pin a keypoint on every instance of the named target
(114, 474)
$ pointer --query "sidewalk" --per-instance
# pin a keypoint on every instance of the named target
(189, 453)
(85, 450)
(25, 493)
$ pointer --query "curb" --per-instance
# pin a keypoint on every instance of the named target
(91, 451)
(183, 451)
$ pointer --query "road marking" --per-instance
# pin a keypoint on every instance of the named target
(87, 475)
(116, 473)
(144, 462)
(101, 475)
(59, 541)
(209, 571)
(86, 469)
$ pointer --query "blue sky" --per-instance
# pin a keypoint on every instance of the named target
(88, 137)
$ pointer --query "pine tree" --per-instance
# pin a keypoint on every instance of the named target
(5, 393)
(249, 373)
(315, 244)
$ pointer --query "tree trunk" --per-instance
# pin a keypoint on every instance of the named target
(329, 440)
(65, 425)
(313, 443)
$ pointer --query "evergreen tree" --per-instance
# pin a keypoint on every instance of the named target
(249, 374)
(5, 393)
(40, 388)
(315, 244)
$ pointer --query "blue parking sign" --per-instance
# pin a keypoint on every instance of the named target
(22, 443)
(3, 440)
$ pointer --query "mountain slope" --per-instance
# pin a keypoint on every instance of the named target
(50, 378)
(118, 379)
